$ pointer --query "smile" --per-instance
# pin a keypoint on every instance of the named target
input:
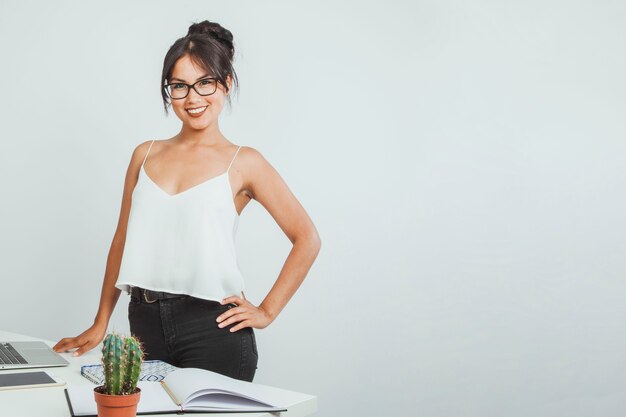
(197, 110)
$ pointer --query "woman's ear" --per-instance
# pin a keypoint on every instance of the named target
(229, 82)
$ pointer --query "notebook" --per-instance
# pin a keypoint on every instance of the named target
(190, 390)
(16, 355)
(151, 371)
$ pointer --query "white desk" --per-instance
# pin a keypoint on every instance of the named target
(51, 402)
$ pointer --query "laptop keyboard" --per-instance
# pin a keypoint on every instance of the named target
(8, 355)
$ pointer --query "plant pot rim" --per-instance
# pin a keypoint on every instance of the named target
(136, 392)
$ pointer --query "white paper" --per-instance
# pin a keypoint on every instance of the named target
(197, 387)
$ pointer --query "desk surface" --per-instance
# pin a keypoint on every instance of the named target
(50, 401)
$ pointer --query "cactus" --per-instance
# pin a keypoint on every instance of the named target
(121, 360)
(134, 358)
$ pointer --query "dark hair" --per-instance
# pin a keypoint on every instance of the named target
(209, 46)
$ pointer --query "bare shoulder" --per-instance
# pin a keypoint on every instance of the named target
(253, 161)
(140, 152)
(260, 178)
(143, 147)
(248, 152)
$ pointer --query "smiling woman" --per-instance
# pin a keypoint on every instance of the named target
(212, 50)
(174, 247)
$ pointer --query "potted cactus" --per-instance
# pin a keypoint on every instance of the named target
(121, 360)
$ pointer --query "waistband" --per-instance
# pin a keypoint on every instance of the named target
(148, 296)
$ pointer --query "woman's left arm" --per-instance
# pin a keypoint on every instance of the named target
(265, 185)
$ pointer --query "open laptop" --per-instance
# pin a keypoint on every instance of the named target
(16, 355)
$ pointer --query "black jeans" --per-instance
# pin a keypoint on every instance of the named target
(184, 333)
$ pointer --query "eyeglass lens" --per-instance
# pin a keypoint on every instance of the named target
(202, 87)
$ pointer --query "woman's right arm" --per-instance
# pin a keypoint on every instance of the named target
(91, 337)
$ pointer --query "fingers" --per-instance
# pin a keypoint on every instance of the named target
(232, 316)
(65, 344)
(241, 325)
(243, 314)
(84, 348)
(227, 317)
(68, 343)
(233, 299)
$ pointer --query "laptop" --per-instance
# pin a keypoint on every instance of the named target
(17, 355)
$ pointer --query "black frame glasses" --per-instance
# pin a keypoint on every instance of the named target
(189, 87)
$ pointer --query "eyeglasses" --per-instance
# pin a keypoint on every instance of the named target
(204, 87)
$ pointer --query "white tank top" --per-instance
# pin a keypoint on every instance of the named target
(182, 243)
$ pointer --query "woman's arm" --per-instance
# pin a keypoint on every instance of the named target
(109, 294)
(266, 186)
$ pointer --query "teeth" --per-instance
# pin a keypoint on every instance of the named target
(198, 110)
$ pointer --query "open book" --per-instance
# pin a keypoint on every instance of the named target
(189, 390)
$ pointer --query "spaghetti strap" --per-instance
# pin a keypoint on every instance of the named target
(146, 157)
(233, 160)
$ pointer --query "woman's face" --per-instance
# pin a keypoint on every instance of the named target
(186, 71)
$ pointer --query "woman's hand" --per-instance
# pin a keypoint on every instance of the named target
(85, 341)
(246, 313)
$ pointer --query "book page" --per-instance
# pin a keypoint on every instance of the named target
(154, 398)
(225, 402)
(190, 383)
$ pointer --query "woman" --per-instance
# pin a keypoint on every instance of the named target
(173, 250)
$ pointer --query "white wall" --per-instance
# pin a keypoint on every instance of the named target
(463, 162)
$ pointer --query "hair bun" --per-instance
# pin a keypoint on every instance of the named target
(215, 30)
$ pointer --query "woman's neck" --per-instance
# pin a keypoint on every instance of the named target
(211, 136)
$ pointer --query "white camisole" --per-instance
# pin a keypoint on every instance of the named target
(182, 243)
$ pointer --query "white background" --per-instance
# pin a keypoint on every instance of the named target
(462, 161)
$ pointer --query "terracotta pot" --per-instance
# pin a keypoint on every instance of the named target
(117, 405)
